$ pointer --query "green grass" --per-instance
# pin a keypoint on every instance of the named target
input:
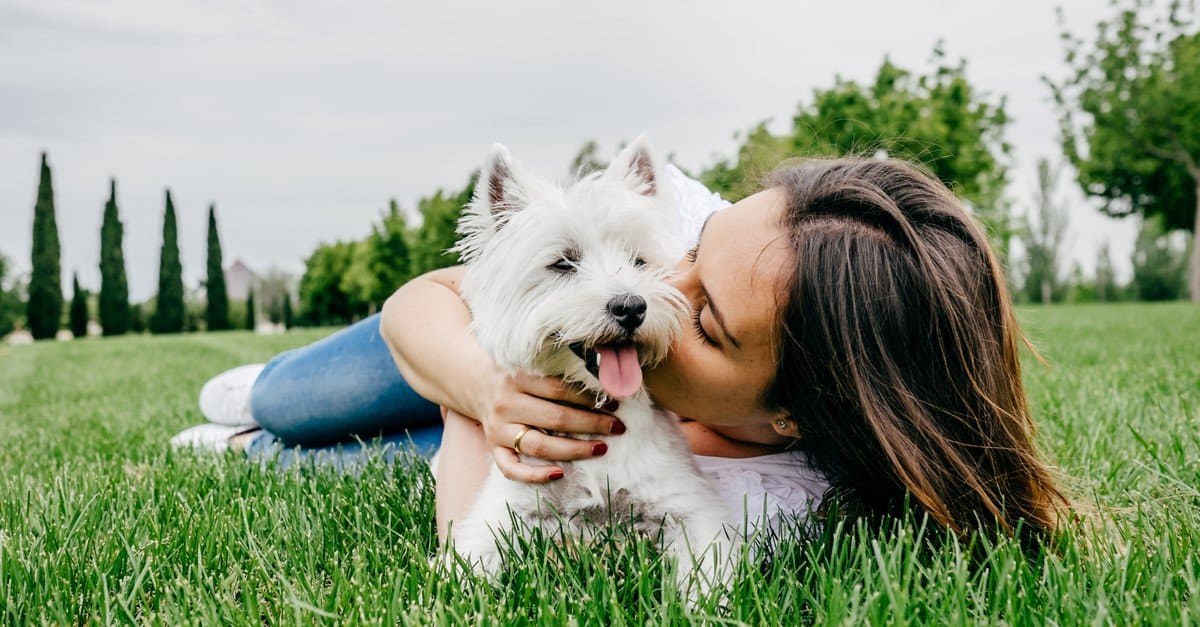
(99, 522)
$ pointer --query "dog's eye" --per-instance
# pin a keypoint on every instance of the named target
(562, 265)
(639, 262)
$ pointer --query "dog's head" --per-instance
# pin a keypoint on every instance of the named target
(571, 282)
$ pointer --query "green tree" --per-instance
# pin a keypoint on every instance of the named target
(287, 311)
(216, 313)
(1107, 289)
(1158, 265)
(438, 231)
(1043, 233)
(937, 119)
(322, 300)
(587, 160)
(113, 309)
(169, 306)
(137, 319)
(44, 308)
(1130, 116)
(12, 303)
(251, 312)
(79, 310)
(380, 263)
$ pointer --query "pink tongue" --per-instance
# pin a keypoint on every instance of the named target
(620, 372)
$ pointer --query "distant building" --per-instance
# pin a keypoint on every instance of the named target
(239, 280)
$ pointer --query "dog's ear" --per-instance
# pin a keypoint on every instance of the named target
(498, 191)
(638, 167)
(498, 194)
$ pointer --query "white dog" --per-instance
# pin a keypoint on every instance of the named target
(570, 282)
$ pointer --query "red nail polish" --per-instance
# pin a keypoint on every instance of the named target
(617, 427)
(611, 405)
(599, 449)
(555, 476)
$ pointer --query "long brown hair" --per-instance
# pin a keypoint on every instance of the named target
(898, 355)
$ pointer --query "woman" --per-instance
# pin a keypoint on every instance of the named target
(850, 319)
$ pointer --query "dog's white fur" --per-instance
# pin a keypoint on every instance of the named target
(616, 227)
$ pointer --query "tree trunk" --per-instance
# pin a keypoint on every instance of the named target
(1194, 272)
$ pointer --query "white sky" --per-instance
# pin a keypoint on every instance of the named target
(300, 119)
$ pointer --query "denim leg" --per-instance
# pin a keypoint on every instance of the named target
(343, 387)
(345, 456)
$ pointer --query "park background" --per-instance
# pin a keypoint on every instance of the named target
(175, 171)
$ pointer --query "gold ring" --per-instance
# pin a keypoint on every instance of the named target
(520, 434)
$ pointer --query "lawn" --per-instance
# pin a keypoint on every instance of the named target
(101, 523)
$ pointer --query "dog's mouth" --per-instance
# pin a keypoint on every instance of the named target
(616, 365)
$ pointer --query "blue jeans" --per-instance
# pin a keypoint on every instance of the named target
(327, 398)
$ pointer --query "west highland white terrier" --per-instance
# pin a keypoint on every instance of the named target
(571, 283)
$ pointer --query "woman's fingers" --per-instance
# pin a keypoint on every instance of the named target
(511, 466)
(555, 389)
(553, 448)
(523, 409)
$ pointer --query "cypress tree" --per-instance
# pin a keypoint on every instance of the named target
(137, 322)
(169, 308)
(217, 313)
(44, 309)
(250, 310)
(79, 310)
(114, 314)
(287, 310)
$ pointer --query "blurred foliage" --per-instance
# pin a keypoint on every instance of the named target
(113, 309)
(79, 309)
(1130, 114)
(44, 307)
(937, 119)
(346, 281)
(1042, 231)
(1159, 263)
(12, 297)
(216, 312)
(169, 309)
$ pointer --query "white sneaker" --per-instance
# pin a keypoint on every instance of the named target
(206, 437)
(225, 399)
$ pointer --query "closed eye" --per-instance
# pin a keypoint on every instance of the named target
(698, 327)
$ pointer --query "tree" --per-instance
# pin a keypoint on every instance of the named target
(587, 160)
(287, 311)
(1158, 265)
(939, 120)
(79, 310)
(273, 289)
(113, 309)
(438, 231)
(43, 311)
(12, 303)
(380, 263)
(251, 317)
(1130, 117)
(216, 313)
(1044, 239)
(169, 306)
(1106, 277)
(321, 297)
(137, 319)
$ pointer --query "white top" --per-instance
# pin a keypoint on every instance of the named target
(768, 488)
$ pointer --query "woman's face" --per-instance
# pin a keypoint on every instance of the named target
(719, 368)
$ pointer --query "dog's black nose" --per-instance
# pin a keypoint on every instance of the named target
(629, 310)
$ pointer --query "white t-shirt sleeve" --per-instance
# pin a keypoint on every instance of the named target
(696, 202)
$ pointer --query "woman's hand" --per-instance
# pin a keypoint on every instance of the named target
(513, 402)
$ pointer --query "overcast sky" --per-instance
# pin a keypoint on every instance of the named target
(300, 119)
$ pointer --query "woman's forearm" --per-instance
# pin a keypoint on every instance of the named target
(425, 324)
